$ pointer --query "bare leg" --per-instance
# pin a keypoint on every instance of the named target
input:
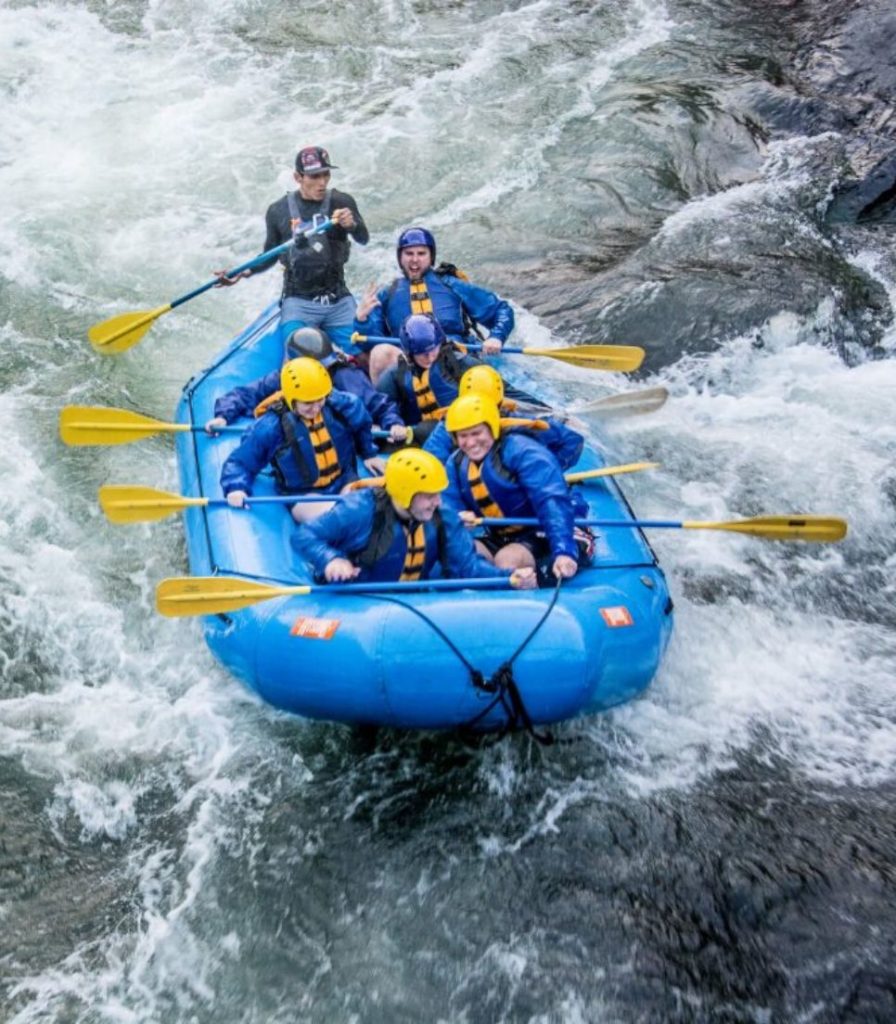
(481, 549)
(382, 358)
(304, 512)
(514, 556)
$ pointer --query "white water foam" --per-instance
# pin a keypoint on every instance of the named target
(118, 717)
(768, 657)
(777, 431)
(146, 162)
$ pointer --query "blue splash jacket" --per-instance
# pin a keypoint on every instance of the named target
(345, 530)
(265, 443)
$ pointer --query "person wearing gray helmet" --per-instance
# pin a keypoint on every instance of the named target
(251, 399)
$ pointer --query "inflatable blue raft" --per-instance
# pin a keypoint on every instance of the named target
(427, 659)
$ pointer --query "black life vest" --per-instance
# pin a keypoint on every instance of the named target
(382, 532)
(315, 263)
(326, 461)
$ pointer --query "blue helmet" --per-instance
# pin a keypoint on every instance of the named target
(421, 333)
(415, 236)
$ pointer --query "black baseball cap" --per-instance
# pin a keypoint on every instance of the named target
(313, 160)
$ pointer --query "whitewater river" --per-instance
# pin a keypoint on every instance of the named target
(625, 170)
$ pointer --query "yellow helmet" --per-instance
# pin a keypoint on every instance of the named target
(413, 471)
(304, 380)
(483, 380)
(470, 410)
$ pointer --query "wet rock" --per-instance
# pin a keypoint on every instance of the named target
(873, 199)
(844, 62)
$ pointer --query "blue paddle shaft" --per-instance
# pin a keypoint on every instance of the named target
(254, 262)
(242, 430)
(645, 524)
(382, 339)
(278, 499)
(498, 583)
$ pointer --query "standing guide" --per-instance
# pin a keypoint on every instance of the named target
(314, 290)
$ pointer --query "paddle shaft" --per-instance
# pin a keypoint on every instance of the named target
(251, 264)
(382, 339)
(285, 499)
(276, 499)
(498, 583)
(214, 595)
(376, 432)
(612, 358)
(119, 333)
(644, 524)
(811, 528)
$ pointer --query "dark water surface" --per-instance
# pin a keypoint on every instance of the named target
(667, 175)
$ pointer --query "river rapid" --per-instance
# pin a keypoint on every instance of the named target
(721, 849)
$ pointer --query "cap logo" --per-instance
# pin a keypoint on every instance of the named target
(313, 158)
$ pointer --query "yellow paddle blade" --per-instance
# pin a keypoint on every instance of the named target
(123, 503)
(86, 424)
(591, 474)
(621, 358)
(120, 332)
(816, 529)
(211, 595)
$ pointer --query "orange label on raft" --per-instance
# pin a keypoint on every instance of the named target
(617, 616)
(314, 629)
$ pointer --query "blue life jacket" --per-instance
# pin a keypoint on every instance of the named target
(560, 440)
(365, 529)
(524, 480)
(456, 304)
(282, 440)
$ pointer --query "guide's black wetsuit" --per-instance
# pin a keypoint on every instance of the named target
(315, 266)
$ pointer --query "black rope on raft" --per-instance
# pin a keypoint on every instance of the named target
(501, 683)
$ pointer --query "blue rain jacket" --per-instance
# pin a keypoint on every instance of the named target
(560, 440)
(241, 401)
(345, 530)
(265, 443)
(449, 296)
(531, 485)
